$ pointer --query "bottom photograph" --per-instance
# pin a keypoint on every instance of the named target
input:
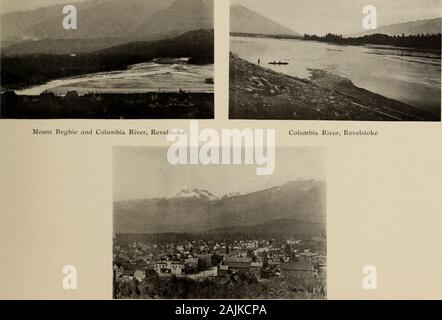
(219, 231)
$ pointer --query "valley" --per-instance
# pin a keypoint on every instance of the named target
(129, 59)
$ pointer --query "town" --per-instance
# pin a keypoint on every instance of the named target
(171, 266)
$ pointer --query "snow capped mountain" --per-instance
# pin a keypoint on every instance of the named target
(291, 207)
(232, 194)
(196, 193)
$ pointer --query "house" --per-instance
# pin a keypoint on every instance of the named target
(298, 270)
(191, 265)
(252, 245)
(162, 267)
(204, 261)
(223, 270)
(239, 264)
(307, 256)
(177, 268)
(169, 268)
(255, 269)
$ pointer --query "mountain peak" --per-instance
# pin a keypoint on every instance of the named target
(231, 195)
(297, 206)
(245, 20)
(196, 193)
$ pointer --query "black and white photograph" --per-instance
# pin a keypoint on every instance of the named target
(335, 60)
(219, 231)
(107, 59)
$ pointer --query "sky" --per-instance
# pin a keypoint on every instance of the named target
(7, 6)
(340, 16)
(144, 172)
(305, 16)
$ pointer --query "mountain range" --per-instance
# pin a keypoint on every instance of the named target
(244, 20)
(197, 44)
(21, 69)
(426, 26)
(105, 23)
(292, 206)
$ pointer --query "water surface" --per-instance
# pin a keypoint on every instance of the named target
(410, 76)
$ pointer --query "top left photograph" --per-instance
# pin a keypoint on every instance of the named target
(107, 59)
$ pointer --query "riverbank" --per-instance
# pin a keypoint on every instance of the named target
(260, 93)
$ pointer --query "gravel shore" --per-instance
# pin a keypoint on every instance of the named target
(260, 93)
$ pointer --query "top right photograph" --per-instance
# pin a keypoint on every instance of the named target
(335, 60)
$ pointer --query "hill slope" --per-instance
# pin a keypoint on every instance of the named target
(285, 226)
(198, 44)
(122, 21)
(428, 26)
(181, 16)
(244, 20)
(96, 19)
(24, 71)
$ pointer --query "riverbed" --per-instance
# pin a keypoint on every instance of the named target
(139, 78)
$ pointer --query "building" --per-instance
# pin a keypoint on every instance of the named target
(255, 269)
(223, 270)
(191, 265)
(161, 267)
(239, 264)
(177, 268)
(298, 270)
(169, 268)
(204, 261)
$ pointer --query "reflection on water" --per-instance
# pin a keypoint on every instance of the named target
(143, 77)
(410, 76)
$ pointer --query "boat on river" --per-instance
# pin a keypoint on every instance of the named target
(281, 63)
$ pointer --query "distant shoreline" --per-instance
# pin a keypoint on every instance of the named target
(260, 35)
(303, 38)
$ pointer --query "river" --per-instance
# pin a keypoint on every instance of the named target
(139, 78)
(410, 76)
